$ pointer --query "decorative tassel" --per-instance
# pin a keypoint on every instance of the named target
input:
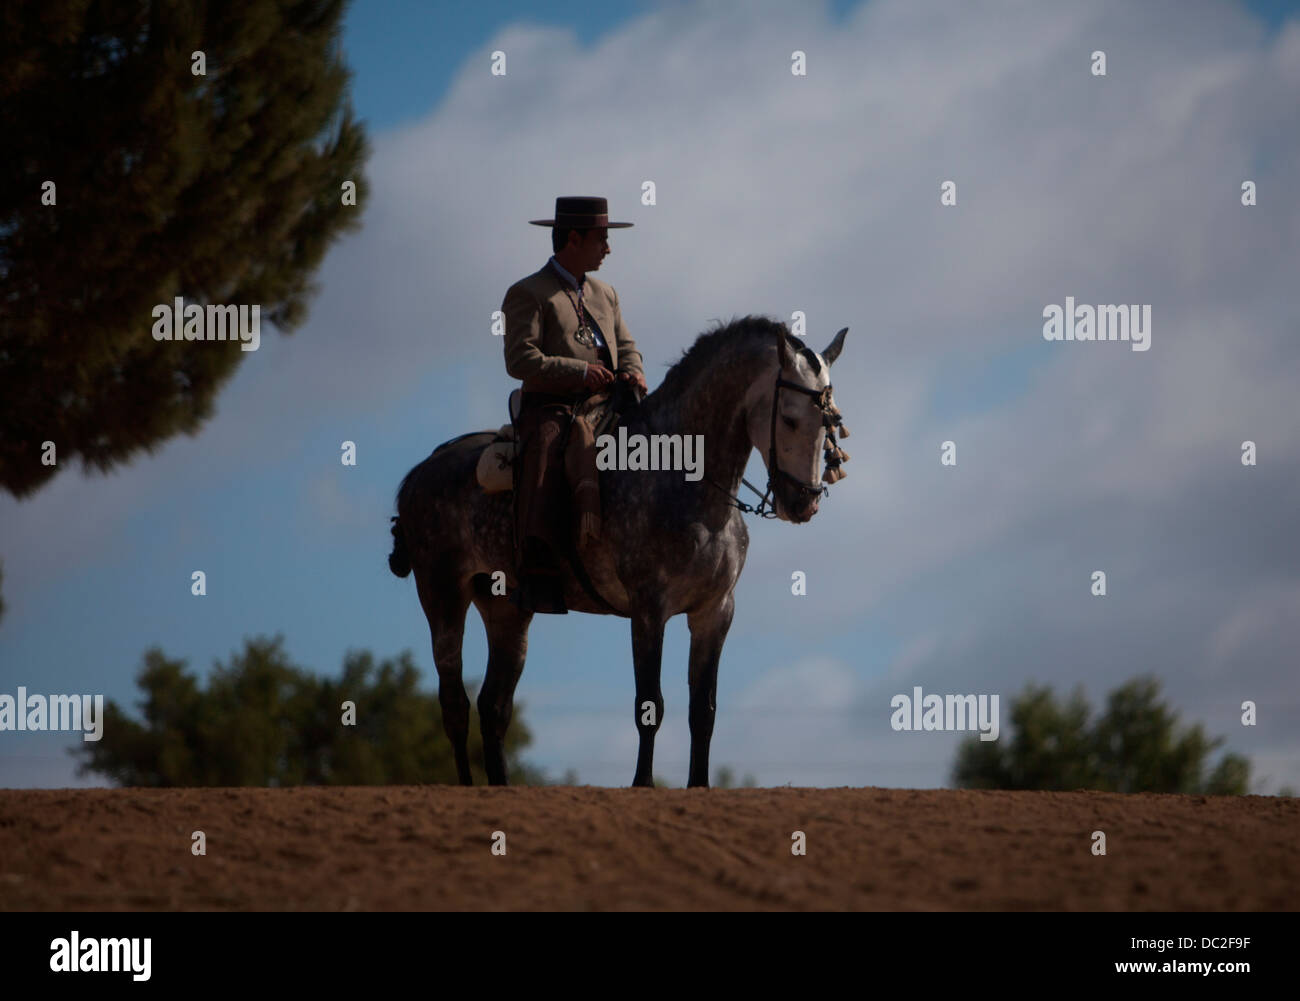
(834, 455)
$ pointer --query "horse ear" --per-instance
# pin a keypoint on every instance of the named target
(833, 352)
(785, 351)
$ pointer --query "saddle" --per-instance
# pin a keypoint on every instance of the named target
(601, 412)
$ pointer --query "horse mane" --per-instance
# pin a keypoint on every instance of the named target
(697, 357)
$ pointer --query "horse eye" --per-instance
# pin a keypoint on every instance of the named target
(790, 422)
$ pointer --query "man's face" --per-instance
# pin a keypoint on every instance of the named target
(593, 248)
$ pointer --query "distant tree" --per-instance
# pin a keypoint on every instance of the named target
(222, 188)
(1136, 746)
(262, 721)
(521, 772)
(725, 778)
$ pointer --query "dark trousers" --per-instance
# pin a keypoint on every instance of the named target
(542, 505)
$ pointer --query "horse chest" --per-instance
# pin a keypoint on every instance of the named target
(715, 556)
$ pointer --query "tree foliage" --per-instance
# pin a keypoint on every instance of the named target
(725, 778)
(262, 721)
(1137, 745)
(224, 188)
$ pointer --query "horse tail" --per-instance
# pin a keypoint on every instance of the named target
(417, 514)
(399, 560)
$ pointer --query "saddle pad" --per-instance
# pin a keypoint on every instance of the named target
(495, 465)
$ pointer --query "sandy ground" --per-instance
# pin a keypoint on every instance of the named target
(584, 848)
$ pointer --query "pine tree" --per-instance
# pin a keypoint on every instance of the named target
(223, 188)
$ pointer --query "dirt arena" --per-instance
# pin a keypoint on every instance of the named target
(584, 848)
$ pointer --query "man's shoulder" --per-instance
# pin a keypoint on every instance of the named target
(603, 288)
(540, 284)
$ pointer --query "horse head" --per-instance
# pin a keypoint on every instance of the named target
(794, 422)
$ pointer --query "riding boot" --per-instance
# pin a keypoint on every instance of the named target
(541, 585)
(541, 593)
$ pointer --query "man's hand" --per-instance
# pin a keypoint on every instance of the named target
(637, 379)
(597, 377)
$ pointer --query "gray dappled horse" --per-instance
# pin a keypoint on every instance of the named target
(668, 545)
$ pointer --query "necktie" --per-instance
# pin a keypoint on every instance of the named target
(584, 334)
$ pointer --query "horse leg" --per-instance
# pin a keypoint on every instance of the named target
(647, 660)
(507, 635)
(444, 606)
(708, 632)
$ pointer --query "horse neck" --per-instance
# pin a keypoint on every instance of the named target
(712, 403)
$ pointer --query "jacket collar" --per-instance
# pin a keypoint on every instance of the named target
(563, 274)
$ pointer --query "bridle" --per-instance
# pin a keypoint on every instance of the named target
(833, 454)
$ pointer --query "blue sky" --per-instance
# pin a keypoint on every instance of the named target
(405, 54)
(965, 583)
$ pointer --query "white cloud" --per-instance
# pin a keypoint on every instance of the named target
(817, 684)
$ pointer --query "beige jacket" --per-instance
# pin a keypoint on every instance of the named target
(541, 322)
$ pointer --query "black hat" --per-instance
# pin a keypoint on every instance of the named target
(581, 212)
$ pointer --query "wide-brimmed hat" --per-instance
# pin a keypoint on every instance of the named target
(581, 212)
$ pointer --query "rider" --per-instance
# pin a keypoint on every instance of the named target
(564, 337)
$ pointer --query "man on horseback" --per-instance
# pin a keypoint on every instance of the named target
(565, 339)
